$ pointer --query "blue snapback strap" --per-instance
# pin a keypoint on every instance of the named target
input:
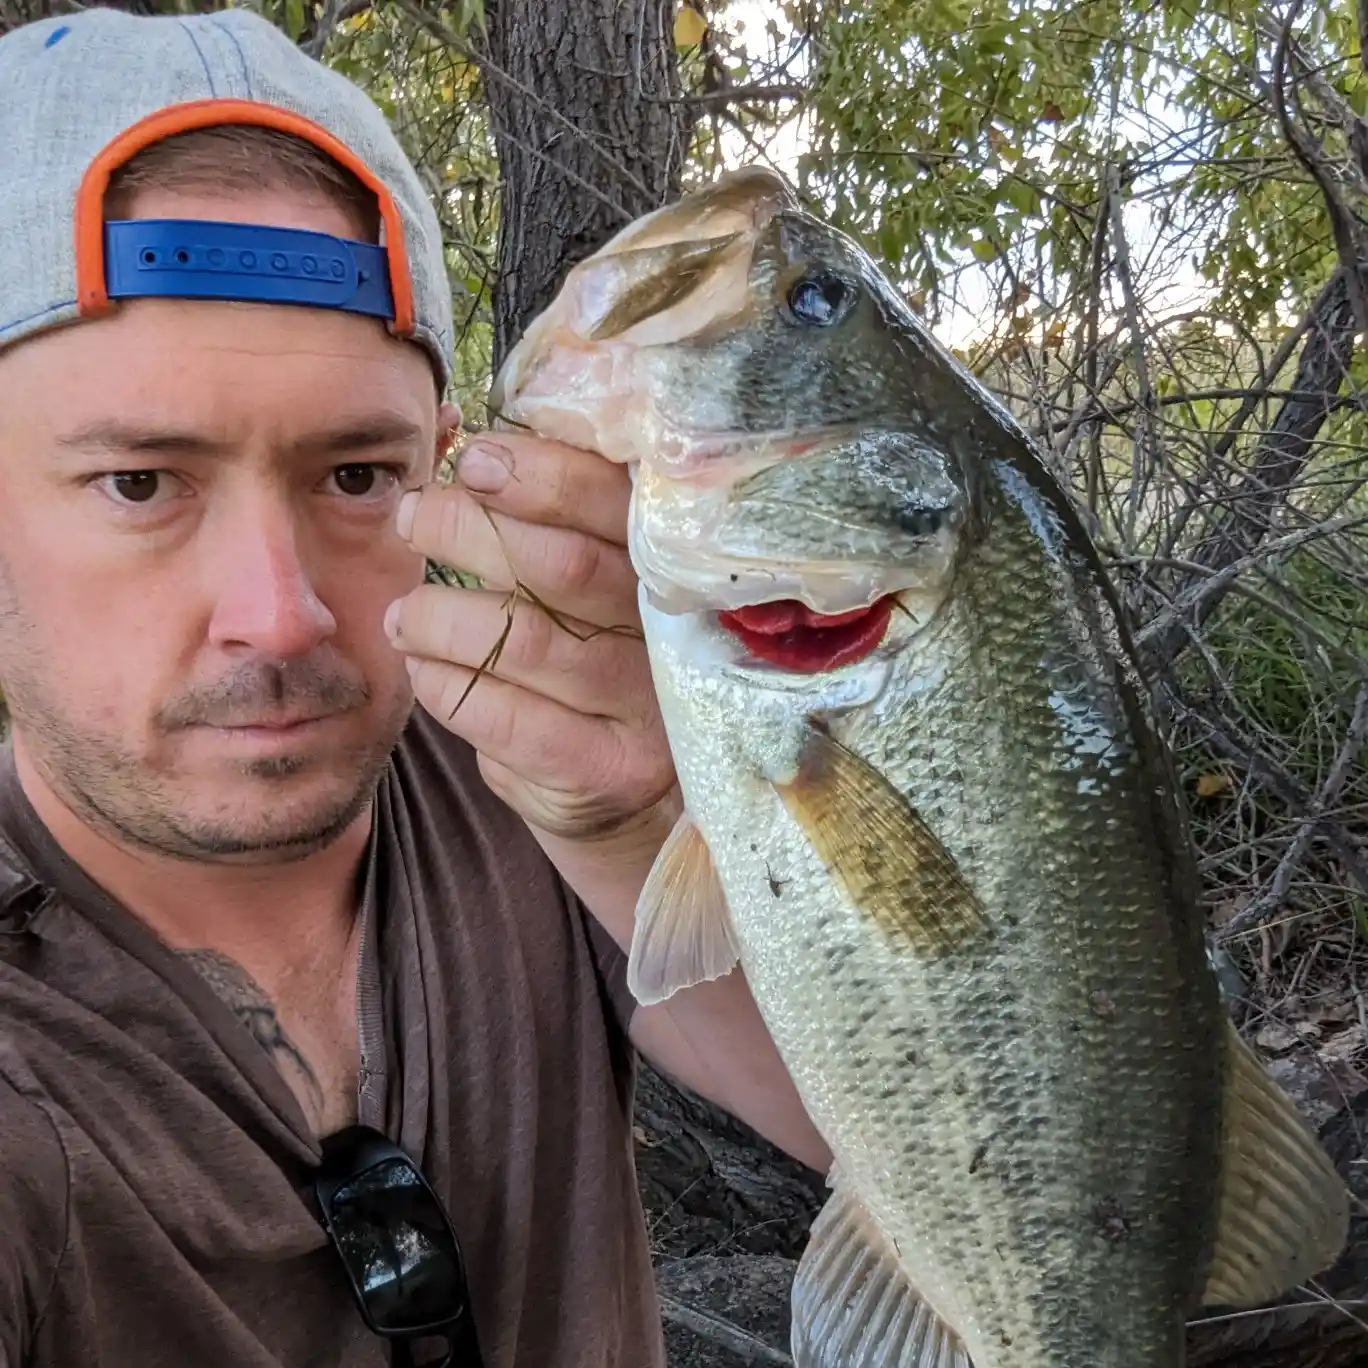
(203, 259)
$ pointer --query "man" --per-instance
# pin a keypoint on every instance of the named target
(251, 897)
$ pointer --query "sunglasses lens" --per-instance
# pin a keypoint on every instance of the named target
(398, 1246)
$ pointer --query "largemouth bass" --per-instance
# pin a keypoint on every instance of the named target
(925, 810)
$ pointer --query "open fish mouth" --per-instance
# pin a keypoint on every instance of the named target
(788, 634)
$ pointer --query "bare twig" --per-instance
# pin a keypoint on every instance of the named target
(1195, 601)
(1311, 155)
(1269, 772)
(713, 1327)
(1279, 460)
(1272, 900)
(742, 94)
(1144, 435)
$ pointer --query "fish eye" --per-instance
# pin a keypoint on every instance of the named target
(819, 299)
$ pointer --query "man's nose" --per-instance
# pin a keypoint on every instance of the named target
(264, 597)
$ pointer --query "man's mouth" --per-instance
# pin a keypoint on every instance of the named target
(290, 722)
(787, 633)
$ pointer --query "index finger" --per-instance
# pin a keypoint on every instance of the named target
(546, 482)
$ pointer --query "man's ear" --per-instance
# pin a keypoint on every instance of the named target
(449, 418)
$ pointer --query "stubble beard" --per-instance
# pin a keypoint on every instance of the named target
(129, 801)
(133, 805)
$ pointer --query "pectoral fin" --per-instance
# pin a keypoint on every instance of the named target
(890, 863)
(683, 931)
(853, 1306)
(1283, 1213)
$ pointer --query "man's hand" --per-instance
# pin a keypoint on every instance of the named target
(565, 719)
(567, 727)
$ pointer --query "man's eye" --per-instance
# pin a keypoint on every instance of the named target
(135, 486)
(356, 481)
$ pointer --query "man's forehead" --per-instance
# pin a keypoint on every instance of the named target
(151, 347)
(294, 386)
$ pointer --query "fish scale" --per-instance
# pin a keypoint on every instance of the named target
(954, 868)
(1001, 1076)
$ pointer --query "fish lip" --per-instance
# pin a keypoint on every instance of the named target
(741, 664)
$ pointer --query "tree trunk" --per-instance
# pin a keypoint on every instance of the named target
(584, 100)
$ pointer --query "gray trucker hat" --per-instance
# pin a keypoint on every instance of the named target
(82, 93)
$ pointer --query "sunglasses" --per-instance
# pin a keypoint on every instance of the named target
(397, 1246)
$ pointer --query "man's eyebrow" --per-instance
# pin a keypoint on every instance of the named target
(349, 436)
(359, 434)
(134, 437)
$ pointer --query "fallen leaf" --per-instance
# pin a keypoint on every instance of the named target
(1343, 1047)
(1275, 1036)
(1227, 908)
(1318, 1087)
(689, 27)
(1332, 1011)
(1209, 785)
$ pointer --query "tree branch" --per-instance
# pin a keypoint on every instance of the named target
(1194, 601)
(1287, 788)
(1264, 907)
(1144, 435)
(1279, 460)
(1310, 154)
(742, 94)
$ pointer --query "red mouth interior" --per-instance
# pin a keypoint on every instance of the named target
(789, 634)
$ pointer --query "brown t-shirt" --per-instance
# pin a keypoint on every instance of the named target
(156, 1202)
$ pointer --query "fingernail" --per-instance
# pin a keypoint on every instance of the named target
(392, 620)
(484, 467)
(403, 519)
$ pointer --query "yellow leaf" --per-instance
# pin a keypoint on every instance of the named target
(689, 27)
(1209, 785)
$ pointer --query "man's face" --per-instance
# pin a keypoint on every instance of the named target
(197, 547)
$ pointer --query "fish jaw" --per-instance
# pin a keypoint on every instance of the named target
(717, 542)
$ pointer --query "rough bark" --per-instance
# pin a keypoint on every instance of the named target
(590, 130)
